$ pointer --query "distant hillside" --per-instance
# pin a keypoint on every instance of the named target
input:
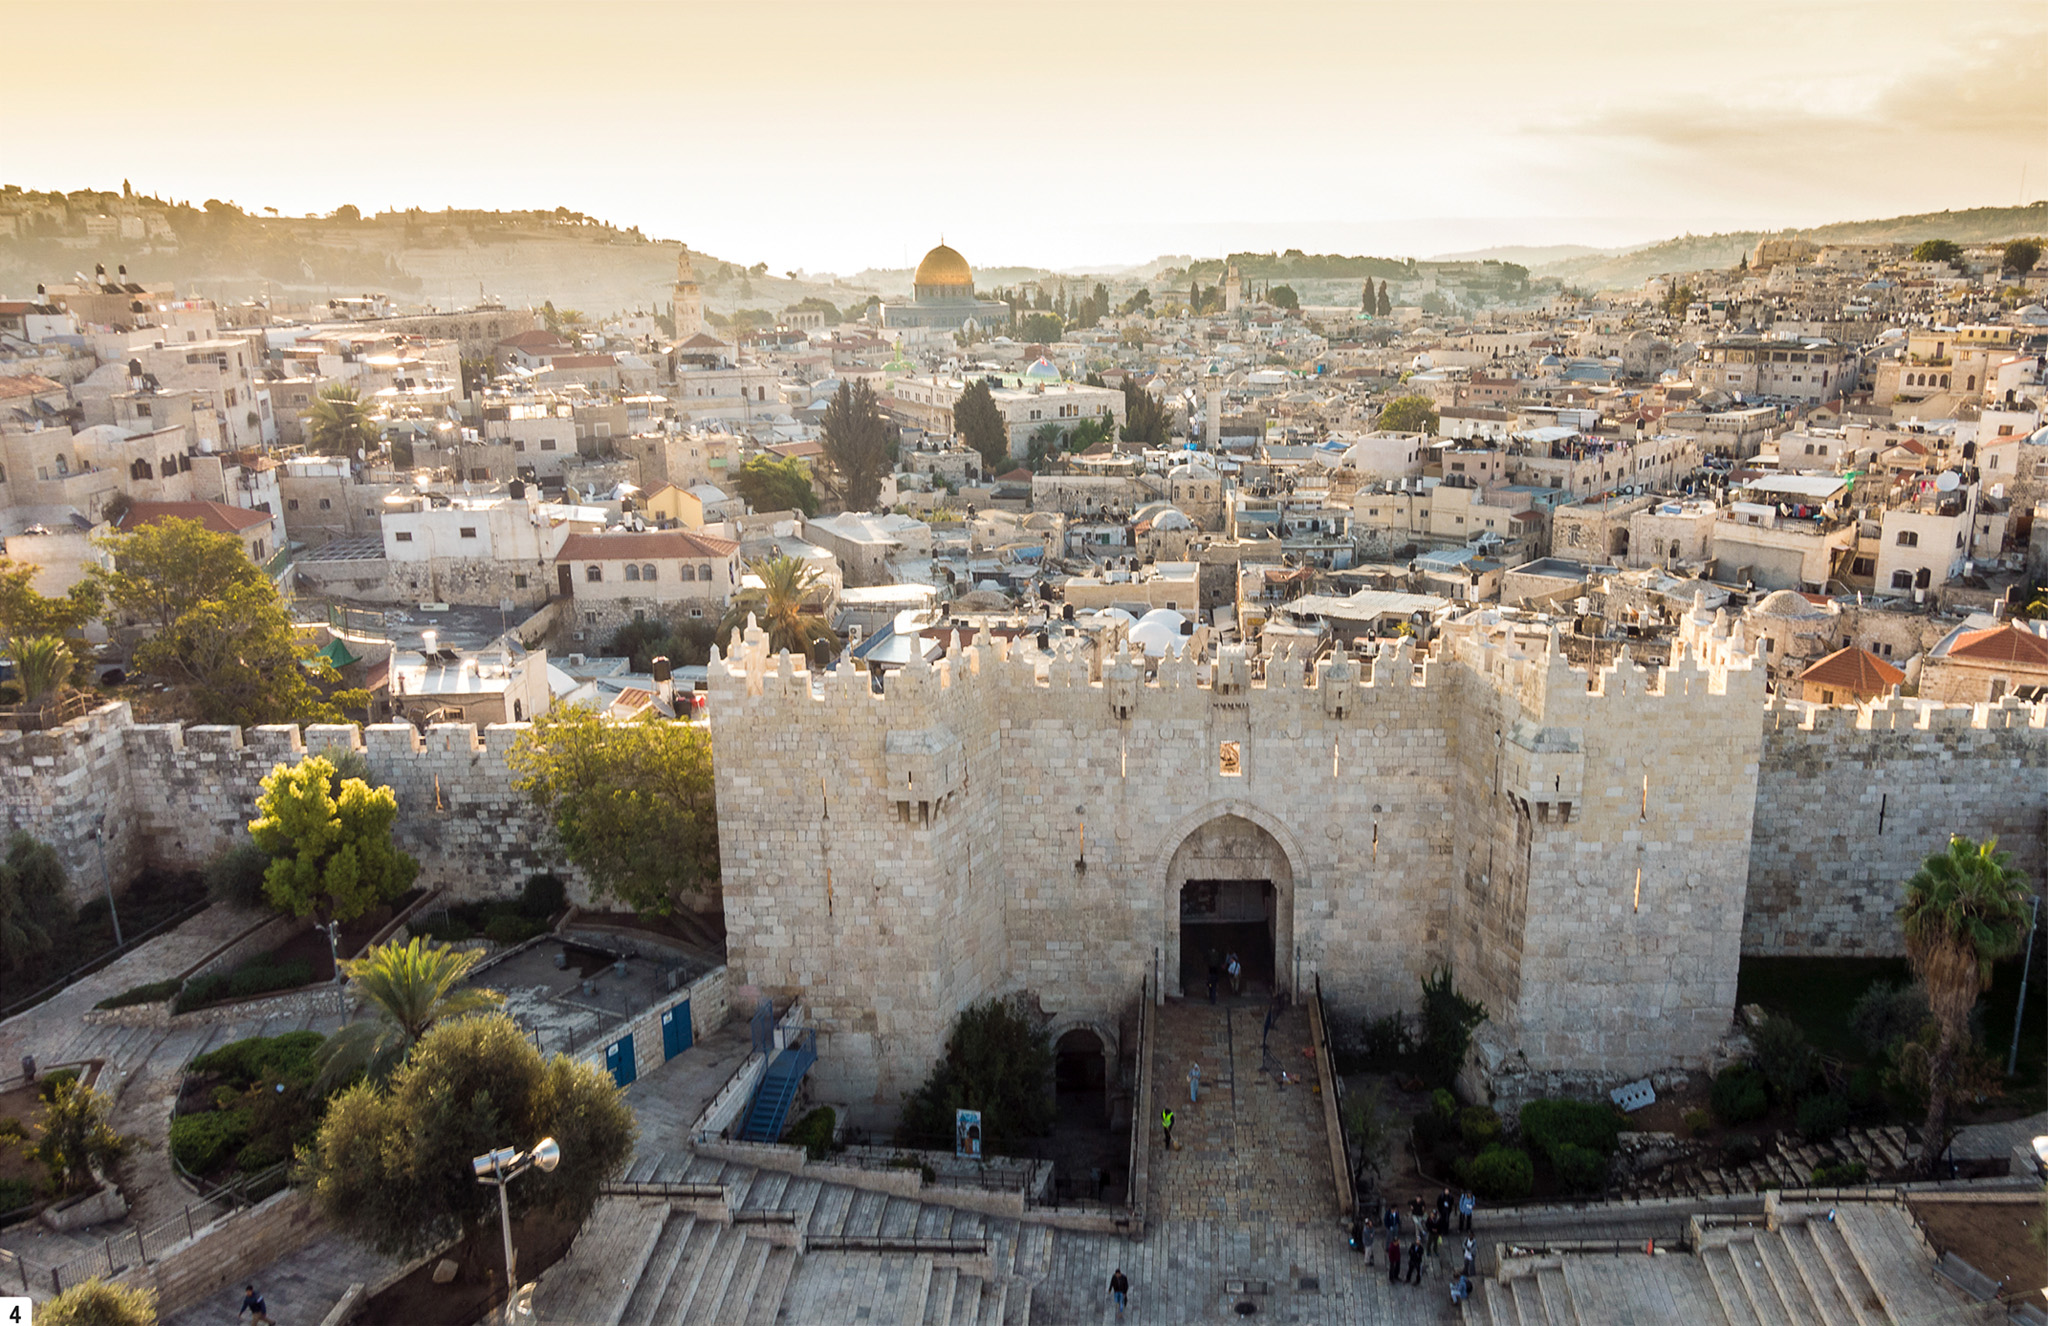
(1530, 256)
(1691, 253)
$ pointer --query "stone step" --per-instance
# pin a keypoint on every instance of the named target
(1528, 1298)
(668, 1251)
(969, 1293)
(1557, 1297)
(1894, 1258)
(1034, 1252)
(605, 1263)
(1016, 1302)
(934, 1222)
(701, 1307)
(682, 1282)
(864, 1220)
(642, 1168)
(739, 1294)
(1756, 1284)
(995, 1303)
(1785, 1278)
(766, 1306)
(672, 1168)
(703, 1169)
(1500, 1303)
(969, 1224)
(800, 1196)
(938, 1298)
(1821, 1284)
(828, 1215)
(921, 1288)
(766, 1194)
(1728, 1291)
(1849, 1277)
(740, 1180)
(1894, 1152)
(899, 1217)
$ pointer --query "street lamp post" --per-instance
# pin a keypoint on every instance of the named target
(99, 833)
(500, 1167)
(333, 929)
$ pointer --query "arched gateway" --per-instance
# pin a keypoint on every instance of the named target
(1230, 889)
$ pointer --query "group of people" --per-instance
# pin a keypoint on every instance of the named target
(1428, 1228)
(1226, 965)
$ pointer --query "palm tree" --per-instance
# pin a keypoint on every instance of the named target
(413, 988)
(779, 607)
(42, 663)
(1965, 909)
(339, 423)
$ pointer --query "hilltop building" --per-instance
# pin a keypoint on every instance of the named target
(942, 297)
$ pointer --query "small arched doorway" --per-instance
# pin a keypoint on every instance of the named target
(1231, 887)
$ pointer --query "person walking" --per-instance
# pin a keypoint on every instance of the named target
(1166, 1124)
(1466, 1202)
(1414, 1276)
(1471, 1256)
(1394, 1260)
(1392, 1220)
(1236, 970)
(1444, 1206)
(1194, 1083)
(253, 1304)
(1436, 1233)
(1119, 1291)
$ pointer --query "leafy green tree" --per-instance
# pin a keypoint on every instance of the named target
(1047, 446)
(338, 424)
(390, 1166)
(1146, 421)
(331, 852)
(1090, 432)
(170, 566)
(1283, 296)
(772, 483)
(33, 907)
(99, 1303)
(1448, 1020)
(1041, 328)
(76, 1137)
(981, 425)
(1385, 307)
(781, 608)
(1141, 300)
(1965, 908)
(412, 987)
(243, 662)
(998, 1060)
(1409, 414)
(857, 445)
(43, 664)
(24, 611)
(631, 803)
(2021, 255)
(1938, 250)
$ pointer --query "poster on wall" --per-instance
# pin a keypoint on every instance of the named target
(967, 1133)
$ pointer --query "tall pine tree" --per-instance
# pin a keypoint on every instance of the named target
(1386, 305)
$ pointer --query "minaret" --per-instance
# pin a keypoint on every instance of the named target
(689, 301)
(1233, 290)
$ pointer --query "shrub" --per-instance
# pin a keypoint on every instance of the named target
(1699, 1121)
(543, 896)
(201, 1142)
(1866, 1086)
(51, 1083)
(1740, 1149)
(246, 1062)
(512, 928)
(15, 1194)
(1579, 1168)
(1501, 1174)
(813, 1132)
(13, 1130)
(76, 1138)
(236, 876)
(1432, 1129)
(1387, 1042)
(1448, 1019)
(1886, 1014)
(155, 992)
(1840, 1176)
(261, 1154)
(200, 991)
(1548, 1124)
(1738, 1095)
(1821, 1117)
(1443, 1104)
(1479, 1126)
(265, 974)
(1784, 1057)
(99, 1303)
(441, 928)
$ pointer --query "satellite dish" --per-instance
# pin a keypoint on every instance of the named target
(1948, 481)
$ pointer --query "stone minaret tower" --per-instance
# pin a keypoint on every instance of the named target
(689, 301)
(1233, 290)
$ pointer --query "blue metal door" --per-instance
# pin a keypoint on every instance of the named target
(618, 1058)
(676, 1035)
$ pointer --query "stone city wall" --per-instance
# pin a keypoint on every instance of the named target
(1850, 802)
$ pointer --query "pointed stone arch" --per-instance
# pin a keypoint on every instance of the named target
(1229, 839)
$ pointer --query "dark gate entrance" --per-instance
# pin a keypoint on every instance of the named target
(1219, 917)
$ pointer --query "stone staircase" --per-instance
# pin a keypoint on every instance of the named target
(787, 1248)
(1885, 1153)
(1864, 1264)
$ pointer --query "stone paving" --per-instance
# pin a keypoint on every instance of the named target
(300, 1289)
(670, 1097)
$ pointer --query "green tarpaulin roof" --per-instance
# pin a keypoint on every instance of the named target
(335, 652)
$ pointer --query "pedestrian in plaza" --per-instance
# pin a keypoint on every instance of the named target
(1394, 1260)
(1236, 970)
(1461, 1288)
(1436, 1234)
(1471, 1256)
(1415, 1260)
(1166, 1123)
(1119, 1290)
(1444, 1206)
(1466, 1201)
(253, 1304)
(1415, 1213)
(1392, 1220)
(1194, 1083)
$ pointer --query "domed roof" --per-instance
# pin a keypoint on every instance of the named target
(1043, 370)
(1786, 603)
(944, 266)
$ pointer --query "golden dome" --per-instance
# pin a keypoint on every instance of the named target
(943, 267)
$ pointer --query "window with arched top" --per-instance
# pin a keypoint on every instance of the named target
(647, 571)
(689, 572)
(593, 574)
(704, 571)
(632, 571)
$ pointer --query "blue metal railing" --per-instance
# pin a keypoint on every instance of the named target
(768, 1112)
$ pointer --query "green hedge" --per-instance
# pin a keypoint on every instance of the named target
(259, 975)
(247, 1062)
(813, 1132)
(155, 992)
(1821, 1117)
(1739, 1095)
(1501, 1174)
(1579, 1168)
(1550, 1124)
(200, 1142)
(15, 1194)
(1840, 1176)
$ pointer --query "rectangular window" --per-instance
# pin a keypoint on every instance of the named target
(469, 531)
(519, 582)
(547, 444)
(519, 444)
(292, 504)
(1909, 538)
(325, 504)
(403, 536)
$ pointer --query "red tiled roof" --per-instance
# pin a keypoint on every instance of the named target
(534, 340)
(216, 516)
(647, 544)
(1854, 670)
(2001, 644)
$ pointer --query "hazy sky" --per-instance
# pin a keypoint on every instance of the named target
(833, 136)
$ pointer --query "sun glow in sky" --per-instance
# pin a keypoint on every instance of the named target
(836, 136)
